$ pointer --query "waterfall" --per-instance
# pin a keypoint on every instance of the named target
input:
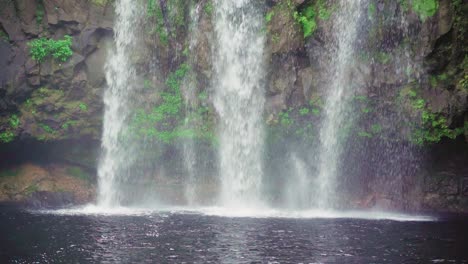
(239, 99)
(121, 76)
(297, 190)
(336, 105)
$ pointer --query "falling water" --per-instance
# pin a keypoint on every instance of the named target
(120, 76)
(189, 88)
(239, 99)
(336, 105)
(298, 189)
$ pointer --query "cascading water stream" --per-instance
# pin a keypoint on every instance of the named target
(336, 105)
(120, 76)
(239, 99)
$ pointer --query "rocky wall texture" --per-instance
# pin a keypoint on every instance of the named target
(411, 69)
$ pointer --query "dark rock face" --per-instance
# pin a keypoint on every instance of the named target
(44, 200)
(24, 20)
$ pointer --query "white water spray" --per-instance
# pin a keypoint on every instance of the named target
(120, 76)
(239, 99)
(346, 29)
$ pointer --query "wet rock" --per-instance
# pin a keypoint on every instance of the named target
(43, 187)
(44, 200)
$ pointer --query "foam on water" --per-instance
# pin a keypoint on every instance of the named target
(243, 213)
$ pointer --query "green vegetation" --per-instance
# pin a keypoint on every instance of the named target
(433, 126)
(13, 172)
(307, 18)
(269, 16)
(7, 137)
(42, 48)
(166, 122)
(14, 121)
(424, 8)
(31, 189)
(464, 82)
(168, 18)
(46, 128)
(79, 173)
(40, 12)
(383, 57)
(153, 10)
(4, 36)
(371, 9)
(208, 8)
(100, 2)
(83, 107)
(69, 123)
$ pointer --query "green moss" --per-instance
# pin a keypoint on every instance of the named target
(376, 128)
(13, 172)
(304, 111)
(166, 121)
(208, 8)
(41, 48)
(40, 12)
(203, 96)
(364, 134)
(433, 126)
(371, 8)
(269, 16)
(83, 107)
(69, 123)
(7, 137)
(424, 8)
(154, 11)
(31, 189)
(306, 19)
(4, 36)
(79, 173)
(464, 82)
(46, 128)
(100, 2)
(14, 121)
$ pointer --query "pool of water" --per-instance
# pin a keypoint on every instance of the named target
(211, 236)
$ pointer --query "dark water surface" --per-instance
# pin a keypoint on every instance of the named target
(191, 238)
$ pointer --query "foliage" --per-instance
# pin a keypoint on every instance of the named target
(14, 121)
(433, 126)
(40, 12)
(69, 123)
(31, 189)
(269, 16)
(208, 8)
(311, 13)
(307, 20)
(60, 50)
(83, 107)
(100, 2)
(304, 111)
(464, 82)
(47, 128)
(424, 8)
(4, 36)
(153, 10)
(165, 122)
(371, 9)
(7, 137)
